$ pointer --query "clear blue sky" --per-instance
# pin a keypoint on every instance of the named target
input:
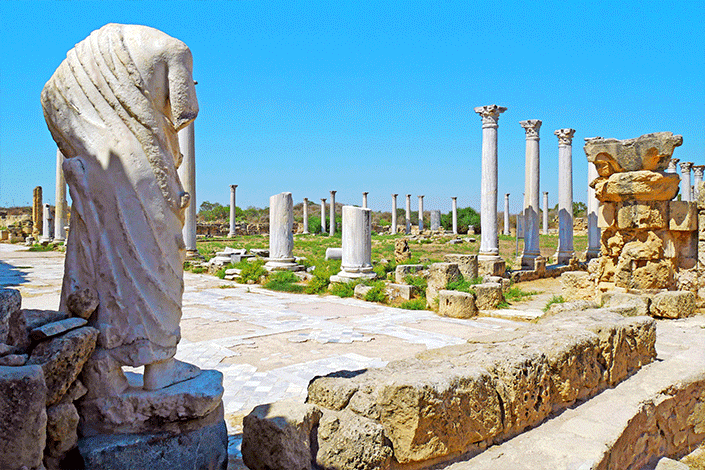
(357, 96)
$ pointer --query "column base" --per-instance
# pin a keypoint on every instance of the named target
(59, 240)
(592, 253)
(287, 264)
(491, 265)
(45, 240)
(193, 255)
(563, 257)
(528, 261)
(232, 235)
(345, 276)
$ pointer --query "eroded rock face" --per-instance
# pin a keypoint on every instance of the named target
(640, 185)
(647, 152)
(677, 304)
(10, 304)
(439, 275)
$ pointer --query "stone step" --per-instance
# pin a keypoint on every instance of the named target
(658, 411)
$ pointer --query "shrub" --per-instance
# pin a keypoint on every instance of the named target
(556, 299)
(464, 285)
(322, 271)
(198, 270)
(414, 304)
(252, 271)
(37, 247)
(283, 281)
(342, 289)
(515, 294)
(467, 217)
(377, 293)
(419, 282)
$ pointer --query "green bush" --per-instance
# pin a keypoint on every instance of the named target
(283, 281)
(419, 282)
(467, 217)
(377, 293)
(37, 247)
(251, 271)
(314, 224)
(198, 270)
(464, 285)
(515, 294)
(322, 272)
(342, 289)
(556, 299)
(414, 304)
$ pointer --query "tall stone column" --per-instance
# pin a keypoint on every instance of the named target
(565, 251)
(697, 179)
(357, 245)
(323, 215)
(46, 222)
(435, 220)
(420, 213)
(672, 165)
(37, 209)
(506, 215)
(232, 232)
(281, 236)
(408, 214)
(394, 214)
(187, 175)
(686, 193)
(332, 213)
(454, 209)
(545, 213)
(364, 200)
(593, 248)
(489, 244)
(60, 210)
(306, 232)
(532, 249)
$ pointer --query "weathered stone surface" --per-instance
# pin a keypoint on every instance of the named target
(203, 448)
(467, 263)
(83, 302)
(668, 464)
(489, 295)
(13, 360)
(361, 291)
(151, 411)
(400, 291)
(5, 349)
(606, 214)
(683, 216)
(278, 436)
(334, 253)
(10, 305)
(62, 359)
(332, 391)
(401, 250)
(439, 275)
(626, 304)
(673, 304)
(24, 321)
(570, 306)
(642, 215)
(492, 267)
(655, 274)
(54, 329)
(636, 185)
(577, 285)
(647, 152)
(404, 270)
(645, 246)
(62, 422)
(23, 417)
(456, 304)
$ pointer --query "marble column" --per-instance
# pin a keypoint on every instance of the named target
(306, 232)
(565, 251)
(593, 248)
(435, 220)
(545, 213)
(37, 209)
(532, 249)
(506, 215)
(672, 165)
(408, 214)
(323, 215)
(232, 232)
(420, 213)
(364, 200)
(357, 245)
(332, 213)
(60, 210)
(454, 209)
(686, 193)
(697, 179)
(394, 213)
(187, 175)
(489, 242)
(281, 236)
(46, 224)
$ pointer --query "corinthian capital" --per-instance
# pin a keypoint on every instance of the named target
(698, 171)
(531, 126)
(490, 114)
(686, 166)
(565, 136)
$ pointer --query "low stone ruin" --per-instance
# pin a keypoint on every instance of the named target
(450, 402)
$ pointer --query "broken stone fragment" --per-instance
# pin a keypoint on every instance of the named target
(62, 359)
(641, 185)
(13, 360)
(62, 422)
(647, 152)
(83, 303)
(489, 295)
(55, 329)
(439, 275)
(10, 304)
(673, 304)
(25, 320)
(456, 304)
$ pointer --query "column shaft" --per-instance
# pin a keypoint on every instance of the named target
(531, 188)
(454, 209)
(332, 213)
(233, 212)
(357, 245)
(61, 208)
(394, 214)
(323, 215)
(565, 250)
(408, 214)
(364, 200)
(506, 215)
(545, 213)
(686, 189)
(281, 236)
(420, 213)
(187, 175)
(306, 216)
(593, 248)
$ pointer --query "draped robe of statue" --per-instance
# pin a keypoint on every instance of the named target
(114, 107)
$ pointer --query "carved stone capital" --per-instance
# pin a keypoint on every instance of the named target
(565, 136)
(698, 171)
(232, 187)
(333, 193)
(686, 166)
(672, 164)
(531, 126)
(490, 114)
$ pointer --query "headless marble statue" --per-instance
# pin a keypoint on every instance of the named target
(114, 107)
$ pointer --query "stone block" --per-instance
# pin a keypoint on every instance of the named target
(13, 360)
(456, 304)
(202, 447)
(278, 435)
(673, 304)
(152, 411)
(654, 274)
(577, 285)
(23, 417)
(489, 295)
(669, 464)
(62, 423)
(439, 275)
(62, 359)
(55, 329)
(645, 246)
(641, 185)
(400, 291)
(492, 267)
(606, 214)
(22, 322)
(642, 215)
(404, 270)
(683, 216)
(626, 304)
(646, 152)
(83, 302)
(361, 291)
(334, 253)
(467, 263)
(10, 305)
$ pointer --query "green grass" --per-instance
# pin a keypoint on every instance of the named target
(37, 247)
(283, 281)
(377, 293)
(198, 270)
(251, 271)
(515, 294)
(419, 282)
(556, 299)
(464, 285)
(414, 304)
(342, 289)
